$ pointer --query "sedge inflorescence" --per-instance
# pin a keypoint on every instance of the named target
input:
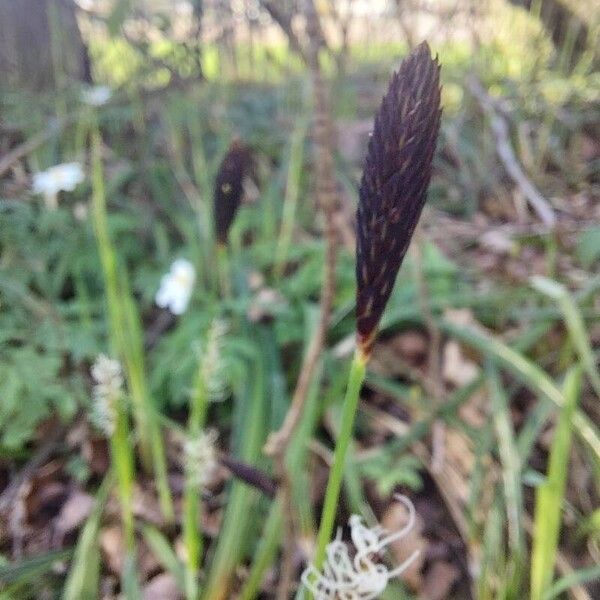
(236, 166)
(394, 184)
(213, 364)
(108, 389)
(355, 573)
(201, 459)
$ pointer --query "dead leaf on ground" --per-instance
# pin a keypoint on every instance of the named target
(458, 370)
(162, 587)
(73, 513)
(439, 581)
(113, 547)
(145, 506)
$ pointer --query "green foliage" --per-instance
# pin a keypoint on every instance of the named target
(389, 471)
(159, 148)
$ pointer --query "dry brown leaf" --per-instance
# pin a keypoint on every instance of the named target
(73, 513)
(497, 242)
(457, 369)
(162, 587)
(113, 547)
(439, 581)
(145, 506)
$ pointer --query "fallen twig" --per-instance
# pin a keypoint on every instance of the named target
(508, 157)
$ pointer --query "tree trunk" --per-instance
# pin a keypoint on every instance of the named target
(562, 22)
(40, 45)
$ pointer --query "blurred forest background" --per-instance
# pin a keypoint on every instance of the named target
(482, 400)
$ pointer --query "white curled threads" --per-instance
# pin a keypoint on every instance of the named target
(360, 577)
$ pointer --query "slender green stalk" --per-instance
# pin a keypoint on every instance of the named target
(511, 474)
(139, 388)
(575, 325)
(223, 268)
(355, 381)
(84, 573)
(265, 553)
(248, 439)
(122, 459)
(192, 535)
(290, 200)
(550, 494)
(126, 335)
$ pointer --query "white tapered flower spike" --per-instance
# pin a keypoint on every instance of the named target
(201, 457)
(108, 388)
(359, 577)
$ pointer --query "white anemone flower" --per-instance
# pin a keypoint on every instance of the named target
(64, 177)
(97, 95)
(358, 577)
(108, 387)
(176, 287)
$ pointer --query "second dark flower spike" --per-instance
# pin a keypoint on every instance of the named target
(236, 165)
(394, 184)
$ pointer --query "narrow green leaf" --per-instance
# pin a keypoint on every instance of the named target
(530, 374)
(163, 551)
(575, 325)
(83, 577)
(550, 495)
(565, 583)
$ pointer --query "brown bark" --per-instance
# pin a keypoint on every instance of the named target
(40, 45)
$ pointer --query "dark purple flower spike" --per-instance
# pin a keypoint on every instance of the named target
(394, 185)
(236, 165)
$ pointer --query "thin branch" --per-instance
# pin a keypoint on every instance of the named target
(284, 21)
(326, 189)
(508, 157)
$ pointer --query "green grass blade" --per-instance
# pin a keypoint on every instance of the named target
(31, 567)
(129, 578)
(565, 583)
(550, 494)
(511, 475)
(266, 552)
(82, 580)
(249, 436)
(530, 374)
(575, 325)
(165, 554)
(290, 201)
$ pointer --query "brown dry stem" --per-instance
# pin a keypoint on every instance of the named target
(326, 190)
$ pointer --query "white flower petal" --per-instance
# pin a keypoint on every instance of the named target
(176, 287)
(97, 95)
(65, 177)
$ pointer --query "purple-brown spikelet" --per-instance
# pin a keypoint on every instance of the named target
(394, 184)
(236, 165)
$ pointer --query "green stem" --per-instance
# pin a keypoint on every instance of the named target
(224, 271)
(192, 534)
(126, 333)
(355, 381)
(122, 458)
